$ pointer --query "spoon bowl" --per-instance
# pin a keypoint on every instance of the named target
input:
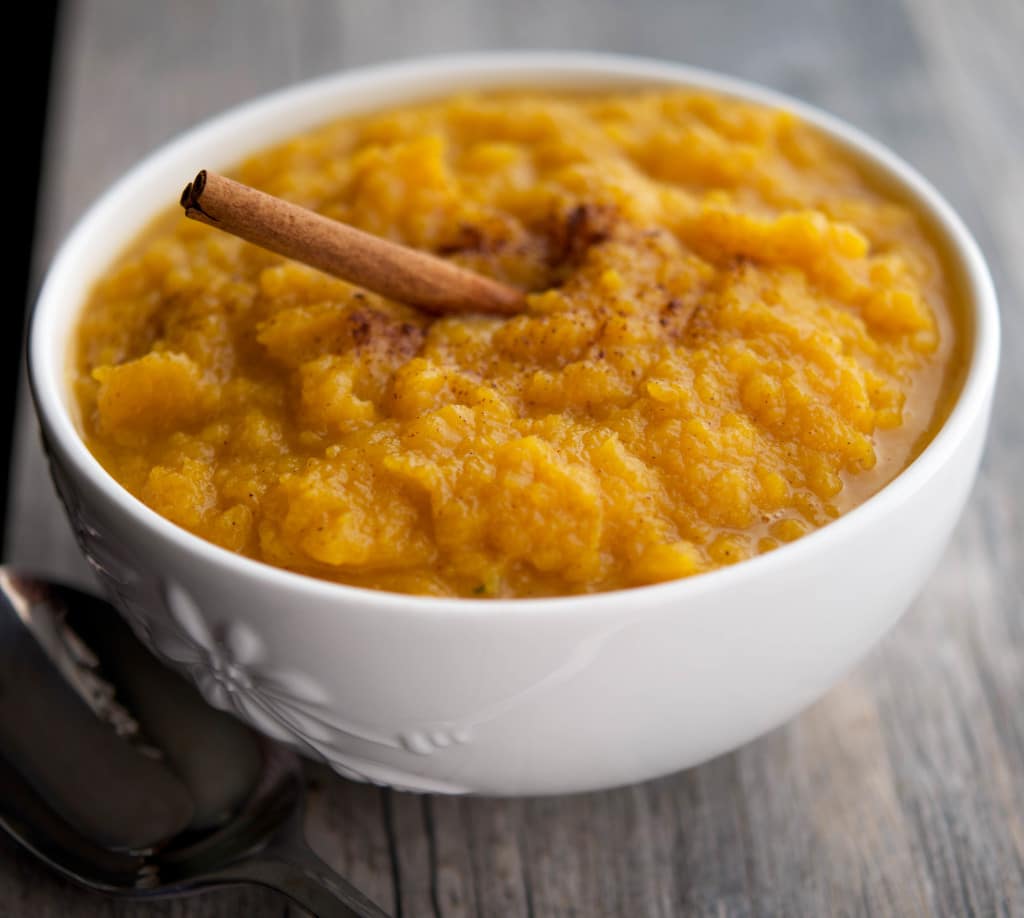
(117, 774)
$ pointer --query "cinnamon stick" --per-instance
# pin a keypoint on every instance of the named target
(395, 271)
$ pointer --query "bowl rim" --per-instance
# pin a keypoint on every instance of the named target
(517, 68)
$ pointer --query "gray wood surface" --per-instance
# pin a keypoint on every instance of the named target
(902, 792)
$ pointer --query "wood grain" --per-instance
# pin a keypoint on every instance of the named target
(902, 792)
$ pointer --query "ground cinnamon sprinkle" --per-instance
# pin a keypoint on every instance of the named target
(732, 339)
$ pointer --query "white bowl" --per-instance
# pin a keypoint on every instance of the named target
(503, 696)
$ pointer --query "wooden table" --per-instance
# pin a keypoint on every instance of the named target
(902, 792)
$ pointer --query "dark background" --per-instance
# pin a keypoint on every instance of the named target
(35, 53)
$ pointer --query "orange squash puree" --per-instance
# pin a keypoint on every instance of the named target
(733, 338)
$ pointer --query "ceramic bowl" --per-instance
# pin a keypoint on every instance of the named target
(504, 696)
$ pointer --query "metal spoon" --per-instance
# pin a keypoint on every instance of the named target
(115, 772)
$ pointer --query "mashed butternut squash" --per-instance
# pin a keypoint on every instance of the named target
(732, 338)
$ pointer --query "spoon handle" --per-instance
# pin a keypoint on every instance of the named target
(294, 870)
